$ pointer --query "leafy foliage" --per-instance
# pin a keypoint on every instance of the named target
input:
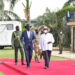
(61, 24)
(69, 3)
(12, 3)
(23, 25)
(48, 18)
(62, 13)
(7, 15)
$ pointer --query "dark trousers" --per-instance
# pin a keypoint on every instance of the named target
(16, 54)
(28, 54)
(41, 55)
(47, 55)
(60, 48)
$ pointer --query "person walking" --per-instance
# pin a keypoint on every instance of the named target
(28, 39)
(46, 43)
(36, 45)
(61, 40)
(16, 43)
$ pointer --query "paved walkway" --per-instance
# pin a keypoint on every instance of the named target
(66, 54)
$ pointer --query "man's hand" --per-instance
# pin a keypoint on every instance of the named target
(12, 47)
(49, 42)
(23, 43)
(33, 41)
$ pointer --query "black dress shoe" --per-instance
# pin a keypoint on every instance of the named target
(23, 64)
(15, 63)
(60, 53)
(28, 66)
(45, 67)
(38, 61)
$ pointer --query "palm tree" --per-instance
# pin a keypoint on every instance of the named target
(48, 18)
(26, 10)
(12, 3)
(2, 9)
(7, 15)
(69, 2)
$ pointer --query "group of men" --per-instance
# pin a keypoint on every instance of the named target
(23, 41)
(27, 41)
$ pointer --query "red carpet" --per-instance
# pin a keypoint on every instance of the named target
(66, 67)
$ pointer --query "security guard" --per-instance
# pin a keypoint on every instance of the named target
(61, 41)
(36, 46)
(16, 43)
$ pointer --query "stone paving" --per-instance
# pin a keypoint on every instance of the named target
(66, 54)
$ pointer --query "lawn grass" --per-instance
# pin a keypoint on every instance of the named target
(1, 73)
(8, 52)
(60, 58)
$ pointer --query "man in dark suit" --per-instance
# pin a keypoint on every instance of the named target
(28, 38)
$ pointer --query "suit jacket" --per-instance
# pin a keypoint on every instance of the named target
(28, 41)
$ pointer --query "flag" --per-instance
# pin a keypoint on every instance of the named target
(68, 16)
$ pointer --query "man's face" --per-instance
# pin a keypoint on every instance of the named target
(61, 32)
(17, 29)
(28, 27)
(36, 32)
(45, 31)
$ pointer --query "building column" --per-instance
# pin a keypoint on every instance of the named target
(71, 38)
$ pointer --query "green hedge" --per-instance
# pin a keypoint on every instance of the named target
(23, 25)
(59, 21)
(62, 13)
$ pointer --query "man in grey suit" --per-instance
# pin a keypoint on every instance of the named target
(28, 38)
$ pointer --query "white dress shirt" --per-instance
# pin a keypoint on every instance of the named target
(45, 38)
(28, 33)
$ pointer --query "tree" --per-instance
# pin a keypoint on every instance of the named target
(48, 18)
(1, 9)
(27, 11)
(7, 15)
(69, 2)
(12, 4)
(27, 8)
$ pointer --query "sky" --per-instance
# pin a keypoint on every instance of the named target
(38, 7)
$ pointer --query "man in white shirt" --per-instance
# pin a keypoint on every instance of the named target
(46, 44)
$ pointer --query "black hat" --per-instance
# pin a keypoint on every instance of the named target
(27, 25)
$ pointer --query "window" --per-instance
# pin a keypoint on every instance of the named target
(9, 26)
